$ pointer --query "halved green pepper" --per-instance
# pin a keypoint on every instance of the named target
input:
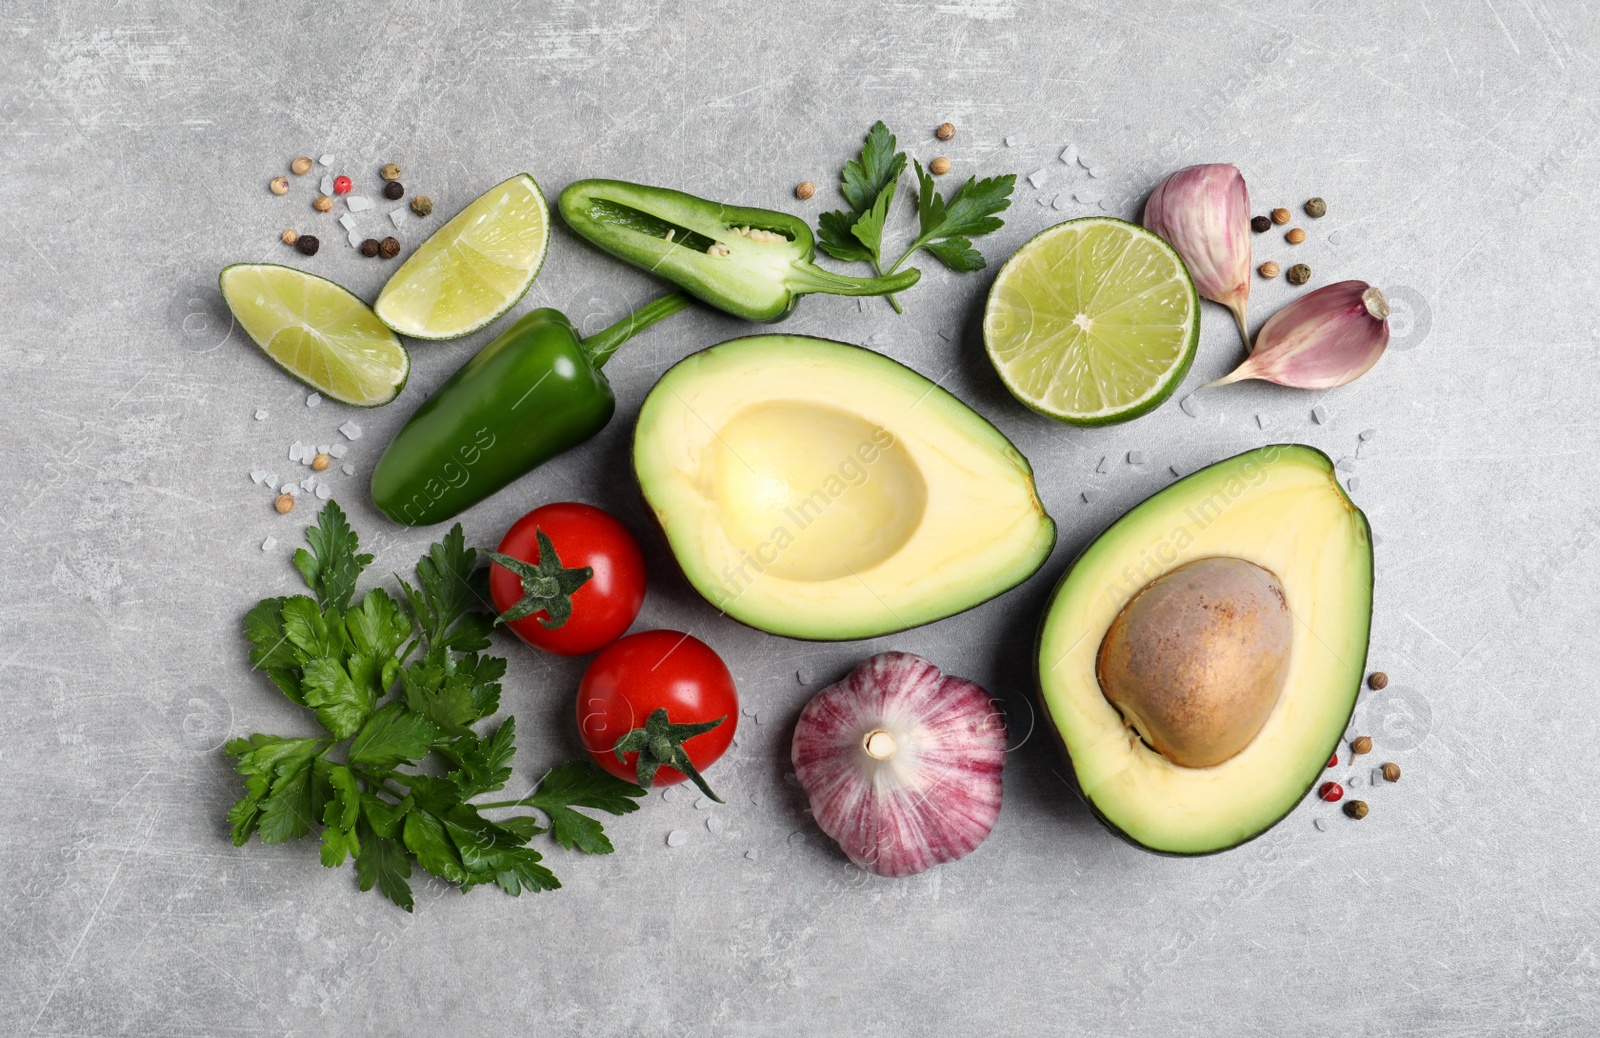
(532, 393)
(752, 263)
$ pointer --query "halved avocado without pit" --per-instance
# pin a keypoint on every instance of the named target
(819, 490)
(1201, 659)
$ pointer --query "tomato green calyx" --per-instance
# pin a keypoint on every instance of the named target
(546, 586)
(660, 742)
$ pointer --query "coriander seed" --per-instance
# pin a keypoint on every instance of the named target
(1391, 772)
(300, 166)
(1299, 274)
(1260, 224)
(945, 131)
(321, 462)
(1268, 270)
(389, 172)
(389, 248)
(939, 166)
(393, 190)
(1356, 809)
(1377, 681)
(422, 205)
(369, 248)
(1280, 216)
(307, 244)
(1362, 744)
(1295, 236)
(804, 190)
(279, 185)
(290, 236)
(284, 503)
(322, 204)
(1316, 208)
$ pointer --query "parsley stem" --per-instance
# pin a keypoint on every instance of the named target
(879, 268)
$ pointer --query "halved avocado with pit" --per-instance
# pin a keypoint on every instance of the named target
(1166, 632)
(823, 491)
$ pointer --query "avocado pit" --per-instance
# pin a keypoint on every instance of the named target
(1197, 658)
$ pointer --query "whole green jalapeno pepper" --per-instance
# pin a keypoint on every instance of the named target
(752, 263)
(532, 393)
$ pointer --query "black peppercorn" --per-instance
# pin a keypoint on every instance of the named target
(1260, 224)
(307, 244)
(1316, 208)
(392, 190)
(389, 248)
(1299, 274)
(369, 248)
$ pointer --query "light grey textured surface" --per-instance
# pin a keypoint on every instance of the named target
(1456, 145)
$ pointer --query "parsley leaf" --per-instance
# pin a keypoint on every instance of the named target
(451, 587)
(582, 784)
(947, 226)
(382, 861)
(879, 165)
(332, 566)
(868, 184)
(393, 735)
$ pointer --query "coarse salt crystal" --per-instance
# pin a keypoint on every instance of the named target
(1175, 470)
(1105, 203)
(327, 184)
(351, 430)
(324, 491)
(796, 838)
(1087, 197)
(322, 449)
(348, 469)
(703, 804)
(1367, 434)
(269, 544)
(308, 483)
(1016, 140)
(1043, 201)
(314, 399)
(257, 476)
(803, 676)
(1261, 421)
(1322, 826)
(1190, 405)
(1085, 161)
(347, 221)
(1319, 414)
(289, 488)
(294, 450)
(398, 216)
(1061, 202)
(354, 238)
(670, 794)
(677, 838)
(1344, 465)
(272, 480)
(1069, 154)
(357, 203)
(335, 450)
(1088, 496)
(1136, 457)
(326, 160)
(716, 824)
(1097, 171)
(752, 854)
(1037, 178)
(1377, 776)
(1352, 483)
(261, 414)
(1104, 466)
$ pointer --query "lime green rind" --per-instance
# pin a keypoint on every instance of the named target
(512, 300)
(394, 385)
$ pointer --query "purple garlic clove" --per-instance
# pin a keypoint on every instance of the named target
(902, 764)
(1321, 340)
(1203, 212)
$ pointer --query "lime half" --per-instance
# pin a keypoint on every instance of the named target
(317, 331)
(1092, 321)
(474, 268)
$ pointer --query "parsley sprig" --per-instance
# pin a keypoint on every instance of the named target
(392, 683)
(946, 227)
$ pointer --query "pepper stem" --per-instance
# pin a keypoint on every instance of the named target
(602, 344)
(808, 277)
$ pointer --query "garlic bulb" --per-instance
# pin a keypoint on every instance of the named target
(902, 764)
(1323, 339)
(1203, 212)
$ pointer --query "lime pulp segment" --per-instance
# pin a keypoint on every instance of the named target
(1092, 321)
(317, 331)
(474, 268)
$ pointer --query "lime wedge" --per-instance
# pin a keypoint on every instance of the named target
(1092, 321)
(474, 268)
(317, 331)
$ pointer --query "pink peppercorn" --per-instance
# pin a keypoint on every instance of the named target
(341, 185)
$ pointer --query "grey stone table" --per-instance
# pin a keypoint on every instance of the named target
(1456, 144)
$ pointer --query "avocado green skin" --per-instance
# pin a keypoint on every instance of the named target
(628, 221)
(528, 396)
(1061, 744)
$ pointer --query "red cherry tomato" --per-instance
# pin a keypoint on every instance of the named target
(604, 606)
(655, 670)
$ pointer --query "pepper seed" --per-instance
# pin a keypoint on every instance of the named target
(393, 190)
(300, 166)
(939, 166)
(804, 190)
(1316, 208)
(1299, 274)
(389, 248)
(290, 236)
(284, 503)
(1281, 216)
(1363, 744)
(1377, 681)
(1391, 772)
(322, 204)
(321, 462)
(1260, 224)
(422, 205)
(307, 244)
(1356, 809)
(390, 171)
(1296, 236)
(369, 248)
(945, 131)
(279, 185)
(1268, 270)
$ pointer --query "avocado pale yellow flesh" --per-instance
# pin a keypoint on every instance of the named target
(819, 490)
(1280, 508)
